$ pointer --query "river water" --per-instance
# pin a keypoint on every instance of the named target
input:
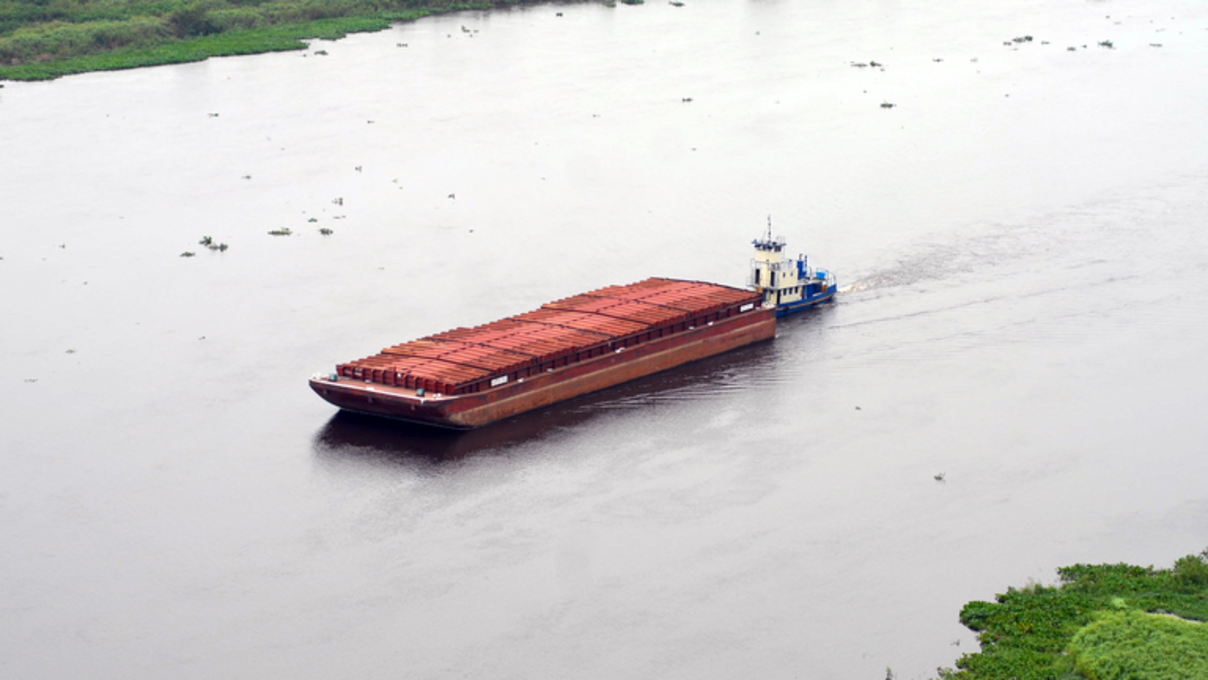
(1020, 238)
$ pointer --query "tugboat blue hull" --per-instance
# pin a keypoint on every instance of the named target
(794, 307)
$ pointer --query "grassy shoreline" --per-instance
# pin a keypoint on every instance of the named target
(46, 39)
(1102, 622)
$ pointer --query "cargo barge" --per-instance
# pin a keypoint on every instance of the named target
(468, 377)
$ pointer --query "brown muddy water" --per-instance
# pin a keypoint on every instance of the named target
(1022, 234)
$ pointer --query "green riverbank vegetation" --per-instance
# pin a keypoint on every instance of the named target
(1101, 622)
(45, 39)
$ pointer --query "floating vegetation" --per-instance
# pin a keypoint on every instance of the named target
(876, 64)
(859, 64)
(209, 243)
(676, 3)
(633, 2)
(887, 105)
(1106, 43)
(338, 201)
(188, 253)
(1102, 621)
(1022, 39)
(71, 351)
(283, 231)
(313, 219)
(1133, 644)
(321, 53)
(325, 231)
(939, 477)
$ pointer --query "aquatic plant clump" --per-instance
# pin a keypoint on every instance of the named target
(1133, 644)
(1098, 623)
